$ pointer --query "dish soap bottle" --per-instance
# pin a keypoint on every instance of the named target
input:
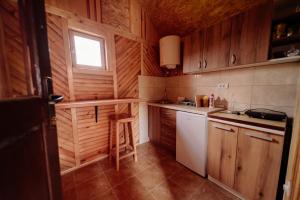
(211, 101)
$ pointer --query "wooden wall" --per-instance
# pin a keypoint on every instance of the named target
(132, 49)
(13, 62)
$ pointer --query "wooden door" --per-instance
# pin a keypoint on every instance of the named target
(222, 143)
(154, 124)
(251, 35)
(193, 52)
(258, 164)
(29, 166)
(217, 45)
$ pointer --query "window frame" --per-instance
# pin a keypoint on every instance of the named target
(103, 55)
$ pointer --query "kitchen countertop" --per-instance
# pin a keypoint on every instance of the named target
(277, 127)
(191, 109)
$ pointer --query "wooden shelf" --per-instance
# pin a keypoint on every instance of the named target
(286, 41)
(87, 103)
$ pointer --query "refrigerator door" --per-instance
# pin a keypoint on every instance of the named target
(191, 141)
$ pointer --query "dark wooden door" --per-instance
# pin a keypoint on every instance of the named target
(29, 166)
(251, 35)
(193, 52)
(217, 45)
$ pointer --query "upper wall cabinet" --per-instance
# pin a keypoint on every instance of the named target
(242, 39)
(217, 45)
(250, 35)
(193, 52)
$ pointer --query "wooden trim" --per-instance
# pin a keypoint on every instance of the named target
(80, 104)
(68, 58)
(75, 136)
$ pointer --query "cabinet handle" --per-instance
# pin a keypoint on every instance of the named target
(224, 129)
(199, 65)
(233, 59)
(205, 63)
(262, 137)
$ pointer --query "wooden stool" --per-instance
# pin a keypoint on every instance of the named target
(127, 148)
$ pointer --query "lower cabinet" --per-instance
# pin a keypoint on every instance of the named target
(162, 127)
(245, 160)
(222, 143)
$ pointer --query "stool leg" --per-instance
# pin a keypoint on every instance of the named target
(133, 141)
(117, 146)
(127, 138)
(111, 131)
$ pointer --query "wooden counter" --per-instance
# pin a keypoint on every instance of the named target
(80, 104)
(275, 127)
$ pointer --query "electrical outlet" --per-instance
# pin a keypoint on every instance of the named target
(223, 85)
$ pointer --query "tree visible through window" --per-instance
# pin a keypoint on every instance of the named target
(87, 50)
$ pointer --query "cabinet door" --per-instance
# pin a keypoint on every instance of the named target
(154, 124)
(222, 143)
(168, 129)
(250, 35)
(258, 164)
(217, 46)
(193, 52)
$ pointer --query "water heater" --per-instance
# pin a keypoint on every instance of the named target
(169, 50)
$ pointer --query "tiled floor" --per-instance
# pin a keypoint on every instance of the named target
(156, 176)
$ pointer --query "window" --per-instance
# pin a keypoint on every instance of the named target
(87, 51)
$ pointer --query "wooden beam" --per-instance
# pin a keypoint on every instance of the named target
(75, 136)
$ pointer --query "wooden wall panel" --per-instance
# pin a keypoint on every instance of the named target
(65, 139)
(89, 86)
(14, 48)
(93, 136)
(128, 60)
(57, 56)
(116, 13)
(151, 61)
(79, 7)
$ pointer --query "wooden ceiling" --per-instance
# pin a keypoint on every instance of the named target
(184, 16)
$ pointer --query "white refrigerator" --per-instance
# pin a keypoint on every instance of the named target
(191, 141)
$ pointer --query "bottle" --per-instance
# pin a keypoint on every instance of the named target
(211, 101)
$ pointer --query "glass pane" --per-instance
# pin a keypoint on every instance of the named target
(88, 52)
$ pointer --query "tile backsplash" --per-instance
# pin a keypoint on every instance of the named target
(273, 87)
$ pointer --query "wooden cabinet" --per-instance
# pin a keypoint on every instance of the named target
(162, 127)
(242, 39)
(247, 161)
(217, 46)
(258, 164)
(250, 35)
(193, 52)
(222, 143)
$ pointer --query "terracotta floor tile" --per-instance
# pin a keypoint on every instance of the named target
(151, 177)
(105, 196)
(92, 188)
(88, 172)
(169, 191)
(188, 181)
(132, 189)
(209, 191)
(117, 177)
(156, 175)
(68, 181)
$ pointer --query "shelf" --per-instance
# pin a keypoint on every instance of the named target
(286, 41)
(87, 103)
